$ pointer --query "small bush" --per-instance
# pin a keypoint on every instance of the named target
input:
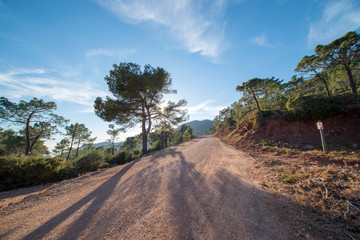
(68, 171)
(288, 176)
(156, 146)
(120, 158)
(108, 157)
(91, 162)
(136, 154)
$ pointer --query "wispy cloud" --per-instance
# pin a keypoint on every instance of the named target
(338, 18)
(197, 25)
(21, 83)
(109, 52)
(262, 41)
(205, 109)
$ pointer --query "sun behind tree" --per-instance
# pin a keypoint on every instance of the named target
(138, 96)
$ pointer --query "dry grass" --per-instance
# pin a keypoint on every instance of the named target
(328, 184)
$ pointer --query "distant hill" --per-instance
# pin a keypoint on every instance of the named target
(103, 144)
(200, 127)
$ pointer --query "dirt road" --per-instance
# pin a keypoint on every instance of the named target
(201, 189)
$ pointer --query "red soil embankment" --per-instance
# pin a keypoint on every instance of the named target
(342, 129)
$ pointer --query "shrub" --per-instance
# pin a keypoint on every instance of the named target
(108, 157)
(18, 172)
(136, 154)
(68, 171)
(40, 170)
(317, 106)
(156, 146)
(120, 158)
(91, 162)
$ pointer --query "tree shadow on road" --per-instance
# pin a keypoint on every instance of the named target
(203, 205)
(98, 198)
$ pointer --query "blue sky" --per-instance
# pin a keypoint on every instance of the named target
(61, 50)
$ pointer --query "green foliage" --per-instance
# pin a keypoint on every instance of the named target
(314, 66)
(156, 145)
(138, 95)
(78, 134)
(328, 88)
(36, 117)
(187, 136)
(183, 134)
(91, 162)
(317, 106)
(120, 158)
(113, 133)
(18, 172)
(136, 154)
(61, 147)
(262, 91)
(13, 144)
(288, 176)
(160, 138)
(225, 119)
(131, 143)
(342, 52)
(211, 130)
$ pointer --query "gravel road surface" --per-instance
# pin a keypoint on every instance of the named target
(202, 189)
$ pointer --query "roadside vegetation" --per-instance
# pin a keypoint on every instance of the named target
(327, 84)
(276, 122)
(25, 159)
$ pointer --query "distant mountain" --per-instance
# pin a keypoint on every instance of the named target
(107, 145)
(200, 127)
(103, 144)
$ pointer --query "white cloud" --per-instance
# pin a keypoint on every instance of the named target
(338, 18)
(261, 41)
(196, 25)
(205, 110)
(20, 83)
(109, 52)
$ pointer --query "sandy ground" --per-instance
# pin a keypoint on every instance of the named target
(202, 189)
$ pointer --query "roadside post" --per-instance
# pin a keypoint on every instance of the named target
(320, 126)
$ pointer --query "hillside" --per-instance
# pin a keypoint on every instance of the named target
(290, 162)
(200, 127)
(103, 144)
(339, 130)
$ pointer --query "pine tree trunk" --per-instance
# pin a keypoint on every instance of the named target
(78, 146)
(27, 137)
(351, 79)
(72, 141)
(71, 144)
(33, 143)
(144, 136)
(325, 85)
(113, 146)
(258, 107)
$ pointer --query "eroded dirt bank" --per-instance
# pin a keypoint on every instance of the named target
(202, 189)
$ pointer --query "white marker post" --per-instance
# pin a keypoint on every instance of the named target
(320, 126)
